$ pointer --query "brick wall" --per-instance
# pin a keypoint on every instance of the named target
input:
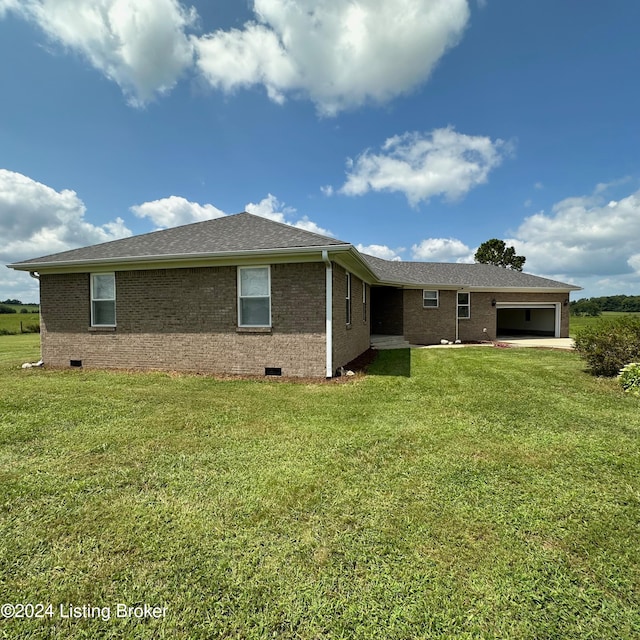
(349, 341)
(430, 325)
(186, 319)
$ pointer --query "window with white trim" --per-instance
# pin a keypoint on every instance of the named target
(254, 296)
(464, 305)
(348, 298)
(429, 298)
(103, 299)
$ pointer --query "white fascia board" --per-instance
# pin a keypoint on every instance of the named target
(295, 254)
(352, 261)
(462, 287)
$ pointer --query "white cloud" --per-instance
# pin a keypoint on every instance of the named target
(381, 251)
(628, 284)
(236, 59)
(18, 285)
(139, 44)
(309, 225)
(271, 208)
(602, 187)
(423, 165)
(339, 54)
(442, 250)
(174, 211)
(587, 240)
(36, 220)
(8, 5)
(634, 262)
(582, 236)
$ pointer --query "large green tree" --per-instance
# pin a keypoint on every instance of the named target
(496, 252)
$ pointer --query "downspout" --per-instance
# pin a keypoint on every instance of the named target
(457, 318)
(329, 312)
(36, 276)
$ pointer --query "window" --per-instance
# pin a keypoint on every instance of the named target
(429, 298)
(254, 297)
(464, 305)
(103, 300)
(348, 298)
(364, 302)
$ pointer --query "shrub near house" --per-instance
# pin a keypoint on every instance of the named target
(610, 344)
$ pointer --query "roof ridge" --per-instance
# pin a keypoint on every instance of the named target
(286, 224)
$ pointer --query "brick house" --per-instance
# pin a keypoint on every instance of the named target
(245, 295)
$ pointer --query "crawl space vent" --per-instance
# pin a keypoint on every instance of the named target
(272, 371)
(75, 363)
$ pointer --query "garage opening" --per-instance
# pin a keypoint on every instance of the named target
(529, 320)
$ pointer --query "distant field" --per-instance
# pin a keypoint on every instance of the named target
(10, 322)
(577, 323)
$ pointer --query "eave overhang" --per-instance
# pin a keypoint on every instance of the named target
(475, 288)
(226, 258)
(346, 255)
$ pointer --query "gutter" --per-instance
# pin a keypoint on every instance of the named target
(476, 288)
(178, 257)
(328, 313)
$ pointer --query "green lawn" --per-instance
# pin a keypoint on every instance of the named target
(578, 322)
(491, 493)
(11, 323)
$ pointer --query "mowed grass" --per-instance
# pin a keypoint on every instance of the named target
(578, 322)
(493, 493)
(11, 322)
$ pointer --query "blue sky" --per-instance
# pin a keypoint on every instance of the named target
(415, 129)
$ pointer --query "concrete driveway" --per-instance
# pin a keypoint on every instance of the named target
(531, 341)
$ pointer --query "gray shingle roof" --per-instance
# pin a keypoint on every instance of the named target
(458, 275)
(245, 232)
(235, 233)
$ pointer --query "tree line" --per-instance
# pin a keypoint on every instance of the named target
(4, 308)
(595, 306)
